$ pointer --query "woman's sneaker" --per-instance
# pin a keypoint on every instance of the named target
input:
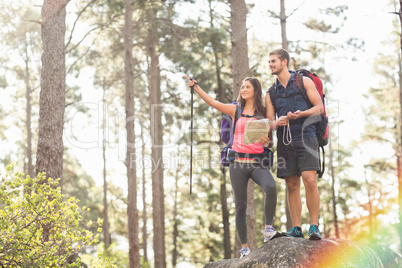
(269, 232)
(314, 233)
(295, 232)
(244, 251)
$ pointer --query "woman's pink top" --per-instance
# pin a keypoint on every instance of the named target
(238, 139)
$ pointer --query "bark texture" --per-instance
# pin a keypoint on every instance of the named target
(399, 153)
(240, 65)
(49, 157)
(105, 229)
(240, 70)
(158, 196)
(132, 211)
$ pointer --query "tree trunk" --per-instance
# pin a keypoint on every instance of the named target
(144, 202)
(175, 252)
(399, 167)
(223, 191)
(237, 246)
(106, 235)
(132, 211)
(240, 70)
(399, 154)
(225, 216)
(240, 65)
(285, 45)
(289, 222)
(334, 202)
(251, 218)
(370, 210)
(49, 156)
(282, 17)
(158, 196)
(28, 90)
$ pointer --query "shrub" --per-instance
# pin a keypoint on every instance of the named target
(38, 228)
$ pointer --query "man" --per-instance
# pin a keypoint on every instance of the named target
(297, 148)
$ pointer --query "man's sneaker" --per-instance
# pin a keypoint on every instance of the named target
(314, 233)
(244, 251)
(295, 232)
(269, 232)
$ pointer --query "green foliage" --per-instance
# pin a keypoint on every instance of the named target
(112, 258)
(38, 228)
(3, 81)
(323, 25)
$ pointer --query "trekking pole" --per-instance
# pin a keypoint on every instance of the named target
(191, 134)
(191, 139)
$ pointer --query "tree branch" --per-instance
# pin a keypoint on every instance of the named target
(79, 58)
(273, 14)
(83, 38)
(76, 20)
(35, 21)
(100, 26)
(63, 4)
(294, 10)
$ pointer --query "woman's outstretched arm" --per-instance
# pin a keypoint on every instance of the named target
(229, 109)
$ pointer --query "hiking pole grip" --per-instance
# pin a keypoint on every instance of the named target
(192, 91)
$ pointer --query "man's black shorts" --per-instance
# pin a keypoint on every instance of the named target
(298, 156)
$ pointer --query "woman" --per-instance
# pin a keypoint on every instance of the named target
(245, 166)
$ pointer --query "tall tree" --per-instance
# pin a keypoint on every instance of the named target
(215, 40)
(144, 198)
(134, 255)
(240, 65)
(240, 70)
(282, 18)
(285, 44)
(23, 38)
(49, 157)
(29, 41)
(175, 235)
(28, 97)
(332, 174)
(399, 154)
(106, 233)
(158, 196)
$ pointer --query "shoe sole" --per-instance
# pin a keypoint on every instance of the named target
(294, 236)
(268, 237)
(314, 237)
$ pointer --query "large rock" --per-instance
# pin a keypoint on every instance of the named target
(286, 252)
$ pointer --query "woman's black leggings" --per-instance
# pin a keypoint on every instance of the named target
(239, 175)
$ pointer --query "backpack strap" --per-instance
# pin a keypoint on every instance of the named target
(272, 95)
(237, 116)
(322, 164)
(300, 85)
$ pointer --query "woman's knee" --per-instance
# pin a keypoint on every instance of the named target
(270, 189)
